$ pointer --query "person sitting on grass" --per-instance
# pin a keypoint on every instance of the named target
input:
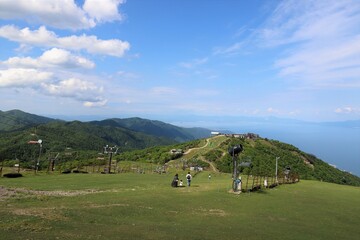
(175, 181)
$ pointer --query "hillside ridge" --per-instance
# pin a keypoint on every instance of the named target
(258, 158)
(151, 141)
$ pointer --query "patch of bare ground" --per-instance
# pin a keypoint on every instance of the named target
(108, 205)
(6, 193)
(44, 213)
(211, 212)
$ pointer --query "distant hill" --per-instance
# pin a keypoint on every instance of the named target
(133, 133)
(16, 119)
(79, 136)
(156, 128)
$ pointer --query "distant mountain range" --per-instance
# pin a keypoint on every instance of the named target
(18, 127)
(88, 139)
(156, 128)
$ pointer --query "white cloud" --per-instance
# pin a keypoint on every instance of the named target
(103, 11)
(52, 58)
(99, 103)
(272, 110)
(75, 88)
(21, 77)
(63, 14)
(321, 40)
(194, 63)
(56, 13)
(44, 38)
(45, 82)
(231, 50)
(347, 110)
(163, 91)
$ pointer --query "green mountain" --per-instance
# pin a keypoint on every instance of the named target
(16, 119)
(58, 136)
(128, 134)
(156, 128)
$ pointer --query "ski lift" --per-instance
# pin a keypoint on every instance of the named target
(235, 150)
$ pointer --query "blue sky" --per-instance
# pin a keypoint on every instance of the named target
(158, 58)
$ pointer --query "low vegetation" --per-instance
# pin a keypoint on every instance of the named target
(144, 206)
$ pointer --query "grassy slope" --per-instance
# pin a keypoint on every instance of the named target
(144, 206)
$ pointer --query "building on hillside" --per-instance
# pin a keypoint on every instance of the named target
(176, 151)
(252, 136)
(216, 133)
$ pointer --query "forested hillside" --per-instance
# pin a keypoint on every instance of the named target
(16, 119)
(18, 128)
(58, 136)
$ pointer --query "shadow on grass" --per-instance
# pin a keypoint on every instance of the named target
(262, 192)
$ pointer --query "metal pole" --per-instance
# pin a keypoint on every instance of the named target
(38, 161)
(234, 165)
(110, 158)
(234, 171)
(2, 166)
(276, 169)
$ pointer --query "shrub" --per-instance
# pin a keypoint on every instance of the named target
(79, 171)
(13, 175)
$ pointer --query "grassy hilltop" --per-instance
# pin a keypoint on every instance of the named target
(212, 153)
(144, 206)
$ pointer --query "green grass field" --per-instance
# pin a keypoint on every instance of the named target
(144, 206)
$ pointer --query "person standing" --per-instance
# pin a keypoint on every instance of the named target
(265, 183)
(188, 178)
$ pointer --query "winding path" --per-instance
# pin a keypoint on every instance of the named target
(191, 149)
(214, 169)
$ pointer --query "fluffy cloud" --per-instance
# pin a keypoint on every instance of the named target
(98, 103)
(75, 88)
(44, 38)
(51, 58)
(20, 77)
(63, 14)
(103, 11)
(87, 92)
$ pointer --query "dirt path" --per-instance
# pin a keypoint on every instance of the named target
(214, 169)
(192, 149)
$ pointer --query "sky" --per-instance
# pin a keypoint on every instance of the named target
(181, 58)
